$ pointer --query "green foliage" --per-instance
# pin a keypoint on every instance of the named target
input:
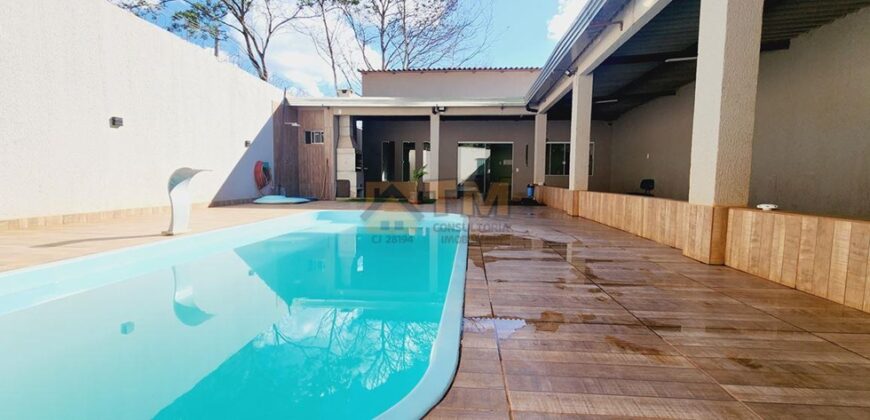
(202, 19)
(418, 173)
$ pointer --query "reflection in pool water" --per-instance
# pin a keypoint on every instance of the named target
(332, 321)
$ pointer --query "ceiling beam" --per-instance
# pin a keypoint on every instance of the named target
(630, 97)
(661, 57)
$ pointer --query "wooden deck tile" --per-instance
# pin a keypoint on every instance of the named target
(612, 405)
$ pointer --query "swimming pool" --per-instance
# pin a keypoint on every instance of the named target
(325, 314)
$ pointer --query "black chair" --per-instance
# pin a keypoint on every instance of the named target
(647, 185)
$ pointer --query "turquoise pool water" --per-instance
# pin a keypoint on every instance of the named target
(318, 315)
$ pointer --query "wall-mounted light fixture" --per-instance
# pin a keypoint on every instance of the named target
(569, 72)
(248, 143)
(678, 59)
(437, 109)
(116, 122)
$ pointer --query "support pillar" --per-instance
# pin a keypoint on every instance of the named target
(724, 117)
(346, 155)
(434, 175)
(581, 132)
(540, 148)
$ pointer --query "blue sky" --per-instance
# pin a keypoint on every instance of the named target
(521, 30)
(523, 33)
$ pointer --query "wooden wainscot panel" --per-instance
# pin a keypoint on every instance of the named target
(699, 230)
(857, 270)
(824, 256)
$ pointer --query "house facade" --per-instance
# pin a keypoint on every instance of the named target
(669, 119)
(636, 90)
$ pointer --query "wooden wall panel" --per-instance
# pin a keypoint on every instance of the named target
(316, 173)
(559, 198)
(857, 272)
(823, 256)
(286, 148)
(806, 253)
(790, 249)
(700, 231)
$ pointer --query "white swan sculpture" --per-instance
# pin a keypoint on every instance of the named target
(179, 199)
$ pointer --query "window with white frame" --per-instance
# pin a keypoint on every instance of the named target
(557, 158)
(313, 137)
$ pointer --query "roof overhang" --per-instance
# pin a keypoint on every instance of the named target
(392, 106)
(590, 22)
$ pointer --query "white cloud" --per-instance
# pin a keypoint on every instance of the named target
(564, 17)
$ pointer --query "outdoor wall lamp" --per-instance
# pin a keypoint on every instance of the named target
(247, 143)
(568, 73)
(678, 59)
(437, 109)
(116, 122)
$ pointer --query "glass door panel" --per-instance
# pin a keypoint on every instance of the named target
(484, 166)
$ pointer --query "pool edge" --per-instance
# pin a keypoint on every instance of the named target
(439, 376)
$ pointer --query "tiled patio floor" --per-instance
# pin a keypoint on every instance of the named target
(569, 318)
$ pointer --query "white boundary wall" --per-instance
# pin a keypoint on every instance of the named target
(66, 69)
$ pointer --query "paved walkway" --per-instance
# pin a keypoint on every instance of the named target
(566, 318)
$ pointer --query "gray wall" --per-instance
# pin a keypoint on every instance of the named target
(812, 133)
(377, 131)
(560, 131)
(520, 133)
(811, 149)
(654, 141)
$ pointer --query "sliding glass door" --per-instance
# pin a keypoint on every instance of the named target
(484, 167)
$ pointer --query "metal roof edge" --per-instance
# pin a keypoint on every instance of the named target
(387, 102)
(562, 50)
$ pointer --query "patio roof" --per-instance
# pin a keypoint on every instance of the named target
(451, 69)
(660, 57)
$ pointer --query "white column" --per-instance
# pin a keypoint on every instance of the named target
(729, 39)
(434, 151)
(540, 148)
(346, 154)
(581, 131)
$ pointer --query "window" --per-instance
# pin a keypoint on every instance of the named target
(388, 161)
(591, 158)
(557, 158)
(427, 147)
(409, 159)
(313, 137)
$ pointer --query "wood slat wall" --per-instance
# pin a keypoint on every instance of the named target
(698, 230)
(559, 198)
(824, 256)
(315, 170)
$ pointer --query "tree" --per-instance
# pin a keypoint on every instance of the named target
(256, 22)
(325, 36)
(419, 33)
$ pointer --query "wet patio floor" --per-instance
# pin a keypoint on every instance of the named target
(565, 317)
